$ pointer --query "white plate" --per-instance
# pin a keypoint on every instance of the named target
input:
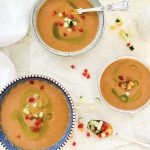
(7, 70)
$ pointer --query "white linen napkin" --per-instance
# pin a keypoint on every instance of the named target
(14, 20)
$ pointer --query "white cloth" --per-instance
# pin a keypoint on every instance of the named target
(30, 57)
(14, 20)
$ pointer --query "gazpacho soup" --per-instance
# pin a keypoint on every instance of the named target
(62, 28)
(34, 115)
(125, 84)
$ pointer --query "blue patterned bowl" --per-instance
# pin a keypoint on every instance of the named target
(60, 144)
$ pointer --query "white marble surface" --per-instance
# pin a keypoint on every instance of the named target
(29, 57)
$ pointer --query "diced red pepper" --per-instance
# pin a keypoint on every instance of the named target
(61, 24)
(42, 87)
(73, 66)
(73, 29)
(88, 134)
(99, 135)
(121, 77)
(83, 17)
(107, 134)
(64, 13)
(65, 34)
(31, 100)
(71, 17)
(38, 122)
(35, 129)
(74, 144)
(128, 44)
(54, 13)
(88, 76)
(80, 126)
(31, 82)
(80, 29)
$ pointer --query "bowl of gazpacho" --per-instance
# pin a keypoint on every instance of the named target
(124, 84)
(36, 113)
(59, 29)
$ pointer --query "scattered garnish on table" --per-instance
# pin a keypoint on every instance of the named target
(100, 128)
(86, 74)
(73, 66)
(122, 33)
(74, 143)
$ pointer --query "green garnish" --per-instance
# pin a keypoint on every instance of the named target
(118, 20)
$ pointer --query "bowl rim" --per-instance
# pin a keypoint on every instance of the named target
(89, 47)
(7, 144)
(140, 60)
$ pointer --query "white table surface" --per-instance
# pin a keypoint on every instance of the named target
(29, 58)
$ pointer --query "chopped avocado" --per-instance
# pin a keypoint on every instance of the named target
(124, 98)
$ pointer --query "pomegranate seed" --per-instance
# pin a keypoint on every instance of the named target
(54, 13)
(42, 87)
(73, 29)
(73, 66)
(121, 77)
(31, 99)
(88, 134)
(64, 13)
(83, 17)
(74, 144)
(128, 44)
(71, 17)
(107, 134)
(31, 82)
(65, 34)
(88, 76)
(80, 29)
(80, 126)
(99, 135)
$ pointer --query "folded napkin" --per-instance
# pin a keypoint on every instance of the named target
(14, 20)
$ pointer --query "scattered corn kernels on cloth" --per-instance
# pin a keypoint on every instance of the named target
(14, 20)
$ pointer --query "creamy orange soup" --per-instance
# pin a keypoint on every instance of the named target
(62, 28)
(34, 115)
(125, 84)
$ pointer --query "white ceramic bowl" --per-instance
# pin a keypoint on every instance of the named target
(97, 38)
(99, 87)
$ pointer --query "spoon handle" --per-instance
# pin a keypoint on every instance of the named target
(121, 6)
(133, 140)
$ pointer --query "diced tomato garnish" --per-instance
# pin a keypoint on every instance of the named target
(26, 117)
(121, 77)
(61, 24)
(38, 122)
(31, 82)
(83, 17)
(74, 144)
(73, 29)
(31, 100)
(119, 84)
(54, 13)
(104, 127)
(35, 129)
(84, 74)
(107, 134)
(65, 34)
(64, 13)
(99, 135)
(73, 66)
(86, 70)
(80, 126)
(88, 76)
(88, 134)
(42, 87)
(71, 17)
(80, 29)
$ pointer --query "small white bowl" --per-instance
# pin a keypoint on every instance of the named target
(99, 87)
(95, 41)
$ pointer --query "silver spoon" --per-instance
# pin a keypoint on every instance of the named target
(104, 129)
(121, 6)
